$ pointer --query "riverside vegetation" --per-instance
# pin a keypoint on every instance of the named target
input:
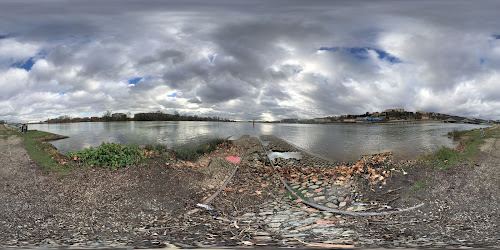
(107, 155)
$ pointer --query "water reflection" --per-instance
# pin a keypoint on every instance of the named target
(339, 142)
(284, 155)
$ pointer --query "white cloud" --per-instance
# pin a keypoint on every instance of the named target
(238, 61)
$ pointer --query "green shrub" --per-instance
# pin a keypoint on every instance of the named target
(110, 155)
(185, 154)
(166, 155)
(157, 148)
(447, 156)
(456, 133)
(161, 148)
(149, 147)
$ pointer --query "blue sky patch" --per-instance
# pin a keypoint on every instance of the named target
(27, 65)
(134, 80)
(172, 95)
(62, 93)
(361, 53)
(212, 58)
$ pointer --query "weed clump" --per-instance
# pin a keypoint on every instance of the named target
(456, 134)
(420, 185)
(110, 155)
(192, 154)
(447, 156)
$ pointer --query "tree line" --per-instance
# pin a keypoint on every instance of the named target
(148, 116)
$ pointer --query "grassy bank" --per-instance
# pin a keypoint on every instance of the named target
(107, 155)
(43, 153)
(467, 152)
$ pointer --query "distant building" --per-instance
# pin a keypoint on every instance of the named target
(349, 120)
(362, 119)
(395, 110)
(320, 120)
(367, 119)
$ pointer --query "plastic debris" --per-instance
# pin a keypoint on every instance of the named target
(233, 159)
(207, 207)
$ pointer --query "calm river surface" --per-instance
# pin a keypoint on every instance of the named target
(338, 142)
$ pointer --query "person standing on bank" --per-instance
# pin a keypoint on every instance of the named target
(24, 128)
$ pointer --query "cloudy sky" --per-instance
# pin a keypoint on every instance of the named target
(264, 60)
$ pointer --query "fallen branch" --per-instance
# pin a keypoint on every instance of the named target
(209, 199)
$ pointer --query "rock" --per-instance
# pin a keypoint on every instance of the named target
(279, 218)
(314, 187)
(340, 199)
(342, 204)
(331, 205)
(319, 198)
(332, 198)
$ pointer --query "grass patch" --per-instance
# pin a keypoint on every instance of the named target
(447, 157)
(42, 153)
(157, 148)
(192, 154)
(185, 154)
(456, 134)
(110, 155)
(470, 143)
(420, 185)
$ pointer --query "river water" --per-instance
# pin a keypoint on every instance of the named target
(337, 142)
